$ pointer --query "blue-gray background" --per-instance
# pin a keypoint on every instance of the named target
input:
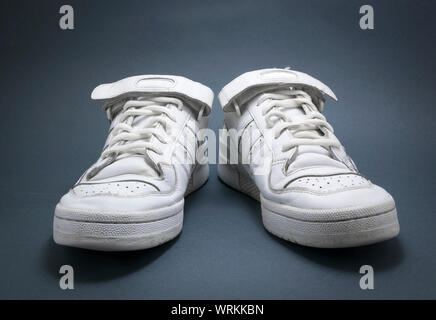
(50, 132)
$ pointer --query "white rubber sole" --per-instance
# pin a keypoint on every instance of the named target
(112, 231)
(334, 228)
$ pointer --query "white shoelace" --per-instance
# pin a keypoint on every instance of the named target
(309, 129)
(127, 139)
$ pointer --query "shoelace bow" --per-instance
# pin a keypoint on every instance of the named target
(129, 139)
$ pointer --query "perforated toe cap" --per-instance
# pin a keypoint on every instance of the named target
(125, 196)
(330, 183)
(120, 189)
(336, 191)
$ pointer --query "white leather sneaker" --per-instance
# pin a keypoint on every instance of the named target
(310, 191)
(132, 197)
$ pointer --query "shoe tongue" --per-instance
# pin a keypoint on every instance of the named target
(134, 164)
(309, 155)
(314, 157)
(297, 114)
(129, 165)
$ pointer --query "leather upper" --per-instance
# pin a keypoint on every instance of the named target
(307, 176)
(131, 183)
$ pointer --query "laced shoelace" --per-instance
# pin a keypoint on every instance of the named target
(308, 129)
(127, 139)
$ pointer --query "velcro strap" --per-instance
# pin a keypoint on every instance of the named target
(252, 83)
(176, 86)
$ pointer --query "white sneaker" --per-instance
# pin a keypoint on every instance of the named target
(310, 191)
(132, 197)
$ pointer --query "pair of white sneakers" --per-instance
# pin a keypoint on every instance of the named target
(277, 147)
